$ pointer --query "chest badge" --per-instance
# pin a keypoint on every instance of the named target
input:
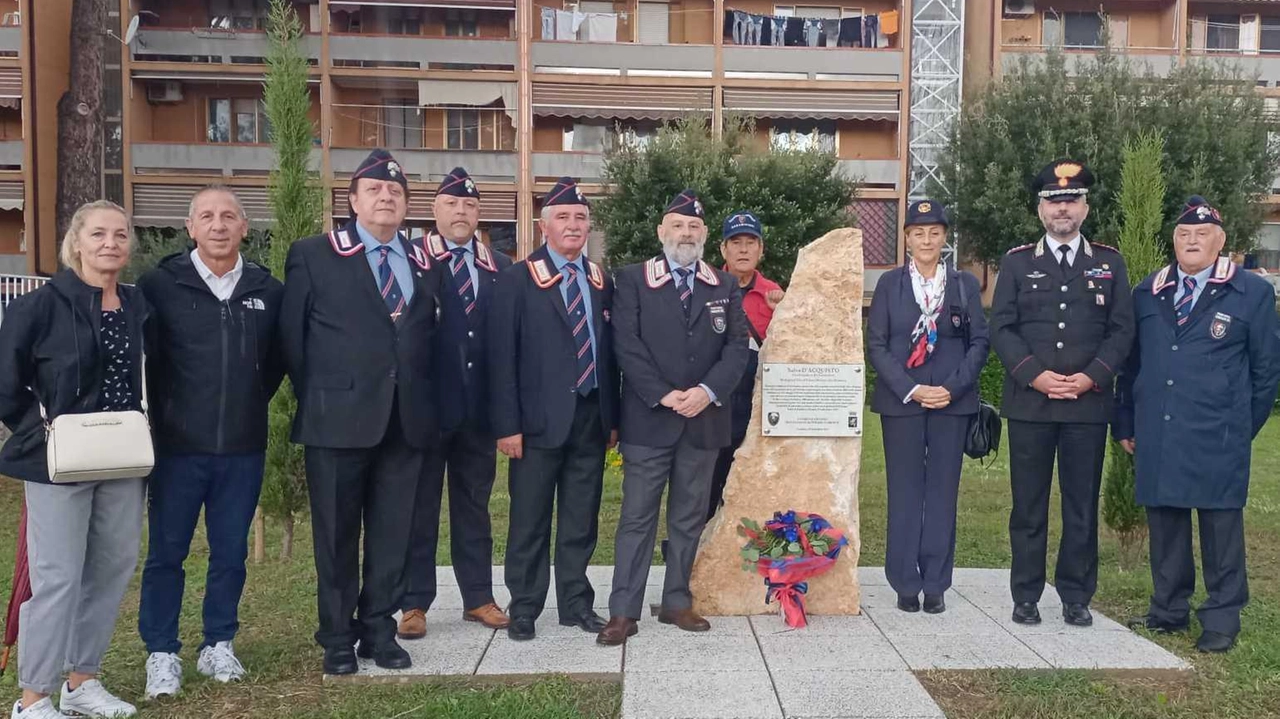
(1218, 328)
(1101, 300)
(955, 320)
(719, 321)
(1036, 275)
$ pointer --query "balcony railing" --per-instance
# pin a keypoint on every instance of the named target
(206, 158)
(1266, 64)
(11, 153)
(225, 46)
(624, 59)
(586, 166)
(872, 172)
(1161, 60)
(10, 41)
(879, 65)
(421, 52)
(431, 165)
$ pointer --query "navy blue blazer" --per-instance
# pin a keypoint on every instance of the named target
(891, 319)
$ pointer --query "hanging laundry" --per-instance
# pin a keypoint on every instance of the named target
(565, 29)
(548, 23)
(794, 34)
(778, 30)
(870, 29)
(830, 33)
(851, 32)
(755, 35)
(812, 31)
(602, 27)
(889, 22)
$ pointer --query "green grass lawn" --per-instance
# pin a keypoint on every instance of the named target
(278, 618)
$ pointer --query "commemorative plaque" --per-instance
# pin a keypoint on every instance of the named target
(812, 400)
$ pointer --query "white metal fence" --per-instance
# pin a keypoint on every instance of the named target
(13, 285)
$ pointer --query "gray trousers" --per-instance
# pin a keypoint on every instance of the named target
(82, 546)
(646, 471)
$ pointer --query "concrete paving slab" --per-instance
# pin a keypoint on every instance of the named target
(1101, 650)
(707, 652)
(444, 654)
(860, 625)
(980, 577)
(961, 617)
(699, 695)
(872, 577)
(651, 629)
(578, 655)
(984, 651)
(819, 652)
(852, 694)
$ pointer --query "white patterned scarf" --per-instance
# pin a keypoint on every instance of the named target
(925, 334)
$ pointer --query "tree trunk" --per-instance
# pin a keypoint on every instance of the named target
(286, 543)
(80, 113)
(259, 538)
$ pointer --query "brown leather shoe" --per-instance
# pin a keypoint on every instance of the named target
(489, 615)
(617, 631)
(684, 619)
(413, 624)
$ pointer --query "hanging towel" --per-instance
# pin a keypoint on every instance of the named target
(851, 32)
(889, 22)
(602, 27)
(564, 26)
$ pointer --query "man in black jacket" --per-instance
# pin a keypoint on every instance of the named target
(553, 394)
(466, 454)
(214, 368)
(681, 339)
(361, 309)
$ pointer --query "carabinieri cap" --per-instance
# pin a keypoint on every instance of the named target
(1063, 180)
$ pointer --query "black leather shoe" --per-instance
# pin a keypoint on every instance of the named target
(521, 629)
(908, 603)
(386, 656)
(1152, 624)
(934, 604)
(1215, 643)
(340, 660)
(586, 620)
(1077, 615)
(1026, 613)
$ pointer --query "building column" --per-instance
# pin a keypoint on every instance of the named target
(525, 240)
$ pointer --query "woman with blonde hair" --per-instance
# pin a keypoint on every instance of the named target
(74, 346)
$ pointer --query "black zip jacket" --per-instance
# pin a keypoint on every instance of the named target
(214, 365)
(50, 349)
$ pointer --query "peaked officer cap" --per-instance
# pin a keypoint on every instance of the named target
(1063, 180)
(926, 212)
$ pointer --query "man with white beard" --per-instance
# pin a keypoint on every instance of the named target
(680, 339)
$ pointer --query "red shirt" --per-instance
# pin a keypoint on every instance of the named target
(756, 306)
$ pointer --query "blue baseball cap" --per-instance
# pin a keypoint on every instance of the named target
(742, 223)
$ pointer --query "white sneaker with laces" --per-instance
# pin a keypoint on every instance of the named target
(91, 699)
(42, 709)
(164, 675)
(219, 662)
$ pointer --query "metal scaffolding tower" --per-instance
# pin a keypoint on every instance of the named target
(937, 64)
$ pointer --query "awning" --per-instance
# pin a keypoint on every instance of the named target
(495, 205)
(454, 93)
(816, 104)
(167, 205)
(623, 102)
(11, 82)
(509, 5)
(12, 195)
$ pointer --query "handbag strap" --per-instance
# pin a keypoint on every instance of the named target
(142, 377)
(964, 309)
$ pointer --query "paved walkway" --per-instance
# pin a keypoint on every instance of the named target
(757, 668)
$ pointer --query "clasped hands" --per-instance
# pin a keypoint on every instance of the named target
(932, 397)
(1057, 386)
(687, 403)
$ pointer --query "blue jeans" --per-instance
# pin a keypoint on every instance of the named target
(227, 487)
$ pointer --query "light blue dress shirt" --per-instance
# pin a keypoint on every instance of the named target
(693, 270)
(399, 262)
(1201, 278)
(559, 261)
(468, 256)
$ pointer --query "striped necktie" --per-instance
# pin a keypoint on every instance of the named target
(387, 284)
(581, 332)
(1182, 310)
(462, 278)
(686, 289)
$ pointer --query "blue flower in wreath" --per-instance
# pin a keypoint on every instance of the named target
(789, 517)
(792, 534)
(817, 524)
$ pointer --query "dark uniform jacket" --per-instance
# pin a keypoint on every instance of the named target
(533, 366)
(890, 321)
(349, 363)
(214, 365)
(658, 352)
(51, 352)
(1045, 319)
(465, 399)
(1194, 397)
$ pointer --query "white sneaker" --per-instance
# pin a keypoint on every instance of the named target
(164, 675)
(42, 709)
(91, 699)
(219, 662)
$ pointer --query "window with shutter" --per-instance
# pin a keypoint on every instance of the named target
(655, 23)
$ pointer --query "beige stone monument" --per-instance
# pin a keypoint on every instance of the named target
(819, 322)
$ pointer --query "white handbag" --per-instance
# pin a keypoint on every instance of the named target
(95, 446)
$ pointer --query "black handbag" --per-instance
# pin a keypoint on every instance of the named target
(982, 439)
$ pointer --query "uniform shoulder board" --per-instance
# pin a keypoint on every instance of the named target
(1223, 270)
(435, 245)
(542, 276)
(419, 256)
(1020, 248)
(595, 275)
(342, 243)
(484, 257)
(708, 274)
(655, 273)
